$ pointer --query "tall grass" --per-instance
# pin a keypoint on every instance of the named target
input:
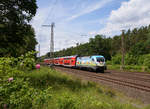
(70, 93)
(130, 68)
(48, 77)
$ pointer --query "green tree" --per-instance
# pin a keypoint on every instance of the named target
(15, 30)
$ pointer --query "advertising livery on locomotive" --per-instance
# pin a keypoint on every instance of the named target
(95, 62)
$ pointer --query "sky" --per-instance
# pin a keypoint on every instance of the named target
(78, 20)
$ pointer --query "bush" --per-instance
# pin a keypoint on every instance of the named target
(18, 94)
(131, 60)
(67, 101)
(6, 64)
(27, 61)
(147, 60)
(15, 89)
(141, 60)
(109, 63)
(116, 59)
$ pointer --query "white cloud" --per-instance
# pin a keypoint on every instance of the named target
(131, 14)
(92, 33)
(89, 8)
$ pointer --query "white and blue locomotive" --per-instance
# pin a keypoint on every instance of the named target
(96, 63)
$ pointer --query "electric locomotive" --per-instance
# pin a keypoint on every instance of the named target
(96, 63)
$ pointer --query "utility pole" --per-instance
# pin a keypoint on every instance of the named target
(39, 50)
(123, 50)
(52, 38)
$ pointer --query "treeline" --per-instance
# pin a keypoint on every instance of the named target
(137, 43)
(17, 36)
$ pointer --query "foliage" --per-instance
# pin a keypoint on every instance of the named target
(18, 94)
(7, 67)
(147, 60)
(16, 36)
(11, 65)
(27, 61)
(67, 101)
(116, 59)
(132, 62)
(15, 89)
(131, 59)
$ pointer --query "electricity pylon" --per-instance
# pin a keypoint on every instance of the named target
(52, 38)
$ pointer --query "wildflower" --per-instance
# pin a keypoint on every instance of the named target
(5, 106)
(37, 66)
(10, 79)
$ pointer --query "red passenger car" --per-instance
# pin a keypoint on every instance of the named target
(69, 61)
(49, 61)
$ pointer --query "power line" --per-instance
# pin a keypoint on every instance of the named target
(51, 12)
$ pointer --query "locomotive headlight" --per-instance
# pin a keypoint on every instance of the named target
(101, 63)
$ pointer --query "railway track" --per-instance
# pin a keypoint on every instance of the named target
(130, 76)
(143, 74)
(106, 78)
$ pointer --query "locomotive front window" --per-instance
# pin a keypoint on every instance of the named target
(100, 59)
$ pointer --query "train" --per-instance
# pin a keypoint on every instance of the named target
(93, 63)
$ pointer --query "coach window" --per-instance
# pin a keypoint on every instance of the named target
(92, 59)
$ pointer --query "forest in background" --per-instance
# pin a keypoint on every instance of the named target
(137, 47)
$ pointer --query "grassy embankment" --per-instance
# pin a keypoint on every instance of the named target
(132, 68)
(70, 93)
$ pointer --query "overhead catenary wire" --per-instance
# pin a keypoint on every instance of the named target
(51, 12)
